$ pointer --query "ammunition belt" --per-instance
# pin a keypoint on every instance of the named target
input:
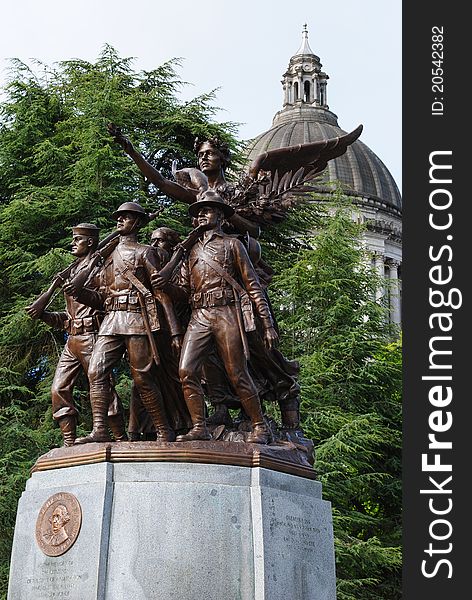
(85, 325)
(127, 302)
(218, 297)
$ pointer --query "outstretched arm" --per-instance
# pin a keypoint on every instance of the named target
(170, 188)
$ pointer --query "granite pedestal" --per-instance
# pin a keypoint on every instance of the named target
(179, 531)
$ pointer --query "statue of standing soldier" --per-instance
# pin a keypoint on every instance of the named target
(222, 287)
(81, 323)
(129, 324)
(140, 426)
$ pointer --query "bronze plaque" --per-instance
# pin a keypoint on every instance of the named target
(58, 524)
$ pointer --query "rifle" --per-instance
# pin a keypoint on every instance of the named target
(181, 248)
(149, 333)
(98, 256)
(42, 301)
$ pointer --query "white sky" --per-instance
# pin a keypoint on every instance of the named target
(242, 47)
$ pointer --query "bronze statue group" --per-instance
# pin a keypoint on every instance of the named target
(192, 318)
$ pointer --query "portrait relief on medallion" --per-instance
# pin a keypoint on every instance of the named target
(58, 524)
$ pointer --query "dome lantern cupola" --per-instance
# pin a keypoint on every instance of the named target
(304, 82)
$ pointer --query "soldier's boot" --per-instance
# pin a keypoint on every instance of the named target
(199, 430)
(99, 431)
(68, 425)
(290, 419)
(220, 416)
(260, 433)
(154, 406)
(117, 425)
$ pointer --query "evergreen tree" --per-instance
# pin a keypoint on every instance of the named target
(351, 399)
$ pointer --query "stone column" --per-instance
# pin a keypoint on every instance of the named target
(395, 309)
(323, 94)
(379, 267)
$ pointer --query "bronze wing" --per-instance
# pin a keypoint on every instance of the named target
(275, 178)
(312, 157)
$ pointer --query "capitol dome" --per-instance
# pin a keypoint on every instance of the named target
(305, 118)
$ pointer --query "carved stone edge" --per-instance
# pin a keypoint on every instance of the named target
(113, 454)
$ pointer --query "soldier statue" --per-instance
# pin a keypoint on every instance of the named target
(173, 320)
(81, 323)
(220, 282)
(129, 324)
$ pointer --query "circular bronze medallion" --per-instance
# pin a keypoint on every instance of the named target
(58, 524)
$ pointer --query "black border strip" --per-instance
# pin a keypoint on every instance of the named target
(429, 128)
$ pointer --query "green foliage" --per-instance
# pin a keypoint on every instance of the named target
(351, 398)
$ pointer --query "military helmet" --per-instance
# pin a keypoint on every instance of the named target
(131, 207)
(88, 229)
(210, 198)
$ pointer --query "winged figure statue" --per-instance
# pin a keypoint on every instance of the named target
(263, 193)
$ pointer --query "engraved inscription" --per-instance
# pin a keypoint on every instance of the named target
(55, 581)
(58, 524)
(296, 532)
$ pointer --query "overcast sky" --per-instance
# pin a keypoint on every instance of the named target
(241, 47)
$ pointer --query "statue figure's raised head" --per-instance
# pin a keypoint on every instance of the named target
(212, 153)
(84, 239)
(165, 237)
